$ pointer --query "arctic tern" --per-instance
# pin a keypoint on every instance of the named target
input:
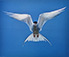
(36, 26)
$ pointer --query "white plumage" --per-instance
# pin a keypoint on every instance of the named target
(41, 21)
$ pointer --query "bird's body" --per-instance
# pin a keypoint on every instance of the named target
(35, 30)
(36, 27)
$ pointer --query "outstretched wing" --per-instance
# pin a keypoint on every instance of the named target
(21, 17)
(47, 16)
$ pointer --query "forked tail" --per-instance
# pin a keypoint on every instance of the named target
(36, 39)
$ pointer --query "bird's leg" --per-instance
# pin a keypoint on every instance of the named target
(33, 35)
(37, 35)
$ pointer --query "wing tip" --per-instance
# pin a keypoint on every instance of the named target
(64, 8)
(6, 12)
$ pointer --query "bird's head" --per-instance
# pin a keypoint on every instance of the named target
(35, 22)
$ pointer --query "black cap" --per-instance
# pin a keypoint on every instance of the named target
(35, 22)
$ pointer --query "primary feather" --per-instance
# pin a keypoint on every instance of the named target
(22, 17)
(47, 16)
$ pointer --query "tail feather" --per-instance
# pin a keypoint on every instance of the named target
(37, 39)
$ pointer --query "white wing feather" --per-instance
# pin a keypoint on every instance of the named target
(47, 16)
(22, 17)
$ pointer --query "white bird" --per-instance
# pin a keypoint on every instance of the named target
(36, 27)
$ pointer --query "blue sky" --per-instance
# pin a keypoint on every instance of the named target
(13, 32)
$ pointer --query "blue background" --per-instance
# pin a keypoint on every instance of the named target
(13, 32)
